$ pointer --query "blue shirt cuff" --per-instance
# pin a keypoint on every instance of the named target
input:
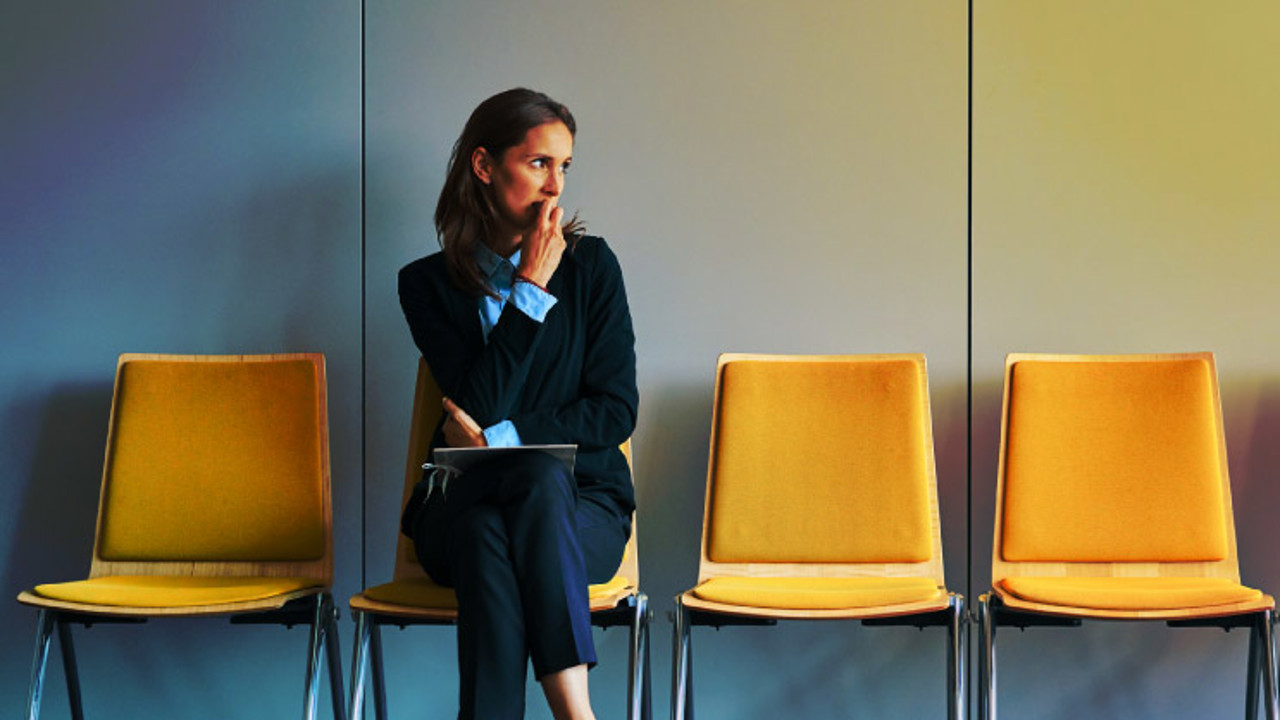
(532, 300)
(502, 434)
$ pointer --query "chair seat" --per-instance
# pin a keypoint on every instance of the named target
(155, 591)
(422, 592)
(1129, 593)
(818, 593)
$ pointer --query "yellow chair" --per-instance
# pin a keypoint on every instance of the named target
(411, 598)
(215, 501)
(821, 505)
(1113, 502)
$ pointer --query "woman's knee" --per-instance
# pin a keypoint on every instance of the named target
(540, 480)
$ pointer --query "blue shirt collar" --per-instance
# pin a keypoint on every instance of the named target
(499, 271)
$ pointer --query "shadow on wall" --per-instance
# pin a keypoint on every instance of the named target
(1251, 413)
(673, 431)
(53, 540)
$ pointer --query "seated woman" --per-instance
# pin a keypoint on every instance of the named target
(524, 323)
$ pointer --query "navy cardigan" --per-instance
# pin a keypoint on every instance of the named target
(568, 379)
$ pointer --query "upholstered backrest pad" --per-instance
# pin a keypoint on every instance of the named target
(1113, 462)
(214, 461)
(821, 461)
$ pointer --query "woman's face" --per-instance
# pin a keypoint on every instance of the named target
(527, 174)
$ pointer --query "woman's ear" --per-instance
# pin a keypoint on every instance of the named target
(482, 165)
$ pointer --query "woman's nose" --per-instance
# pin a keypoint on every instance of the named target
(554, 184)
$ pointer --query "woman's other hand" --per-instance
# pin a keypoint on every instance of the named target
(459, 429)
(543, 245)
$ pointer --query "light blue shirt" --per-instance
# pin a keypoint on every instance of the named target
(526, 297)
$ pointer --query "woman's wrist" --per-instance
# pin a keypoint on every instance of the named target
(522, 276)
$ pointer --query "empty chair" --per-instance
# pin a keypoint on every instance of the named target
(215, 501)
(1113, 502)
(821, 504)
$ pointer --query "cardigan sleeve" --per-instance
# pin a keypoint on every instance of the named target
(604, 413)
(485, 379)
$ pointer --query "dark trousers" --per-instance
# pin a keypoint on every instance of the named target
(519, 544)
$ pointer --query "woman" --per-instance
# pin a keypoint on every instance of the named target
(525, 326)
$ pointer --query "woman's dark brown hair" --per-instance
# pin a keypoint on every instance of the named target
(465, 212)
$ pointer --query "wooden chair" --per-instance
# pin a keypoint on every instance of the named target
(411, 598)
(1114, 503)
(821, 505)
(215, 501)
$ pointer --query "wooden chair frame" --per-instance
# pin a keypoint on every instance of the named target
(310, 606)
(998, 607)
(690, 611)
(625, 607)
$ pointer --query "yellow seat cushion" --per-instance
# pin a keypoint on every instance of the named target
(1127, 593)
(215, 461)
(1113, 462)
(422, 592)
(154, 591)
(818, 593)
(821, 461)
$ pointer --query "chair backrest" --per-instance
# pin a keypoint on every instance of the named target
(1113, 465)
(427, 410)
(821, 465)
(217, 465)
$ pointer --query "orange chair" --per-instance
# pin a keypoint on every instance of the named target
(821, 505)
(411, 598)
(215, 501)
(1113, 502)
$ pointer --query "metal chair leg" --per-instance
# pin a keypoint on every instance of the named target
(45, 621)
(1253, 675)
(646, 711)
(334, 659)
(638, 680)
(1269, 664)
(682, 670)
(379, 676)
(987, 659)
(359, 660)
(314, 658)
(957, 646)
(70, 670)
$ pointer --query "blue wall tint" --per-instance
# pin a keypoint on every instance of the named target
(174, 177)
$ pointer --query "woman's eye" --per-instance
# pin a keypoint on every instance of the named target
(540, 163)
(564, 168)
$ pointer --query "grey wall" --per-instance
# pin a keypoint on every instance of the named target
(774, 178)
(177, 177)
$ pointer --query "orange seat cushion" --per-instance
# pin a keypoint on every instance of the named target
(818, 593)
(152, 591)
(422, 592)
(821, 461)
(1128, 593)
(215, 461)
(1113, 462)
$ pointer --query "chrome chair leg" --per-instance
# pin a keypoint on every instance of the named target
(44, 634)
(334, 659)
(682, 666)
(379, 676)
(1269, 664)
(1253, 676)
(986, 659)
(314, 660)
(359, 660)
(957, 647)
(638, 695)
(70, 669)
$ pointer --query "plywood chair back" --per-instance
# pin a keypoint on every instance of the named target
(821, 466)
(217, 466)
(427, 411)
(1113, 466)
